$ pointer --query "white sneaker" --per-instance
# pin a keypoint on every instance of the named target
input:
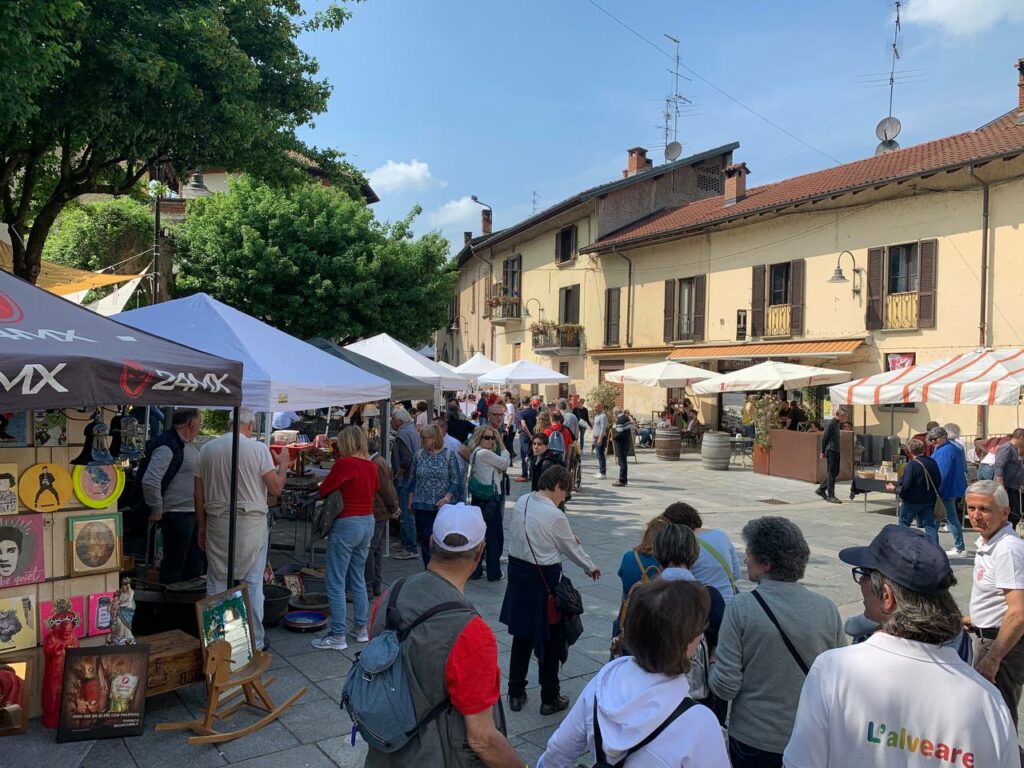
(330, 642)
(954, 552)
(362, 636)
(600, 476)
(943, 528)
(503, 559)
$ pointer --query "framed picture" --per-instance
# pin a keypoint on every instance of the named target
(104, 692)
(17, 623)
(94, 543)
(293, 582)
(62, 609)
(15, 692)
(8, 489)
(45, 487)
(100, 617)
(13, 429)
(49, 428)
(97, 487)
(227, 617)
(21, 550)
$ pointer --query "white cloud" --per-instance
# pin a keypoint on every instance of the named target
(393, 177)
(455, 212)
(964, 18)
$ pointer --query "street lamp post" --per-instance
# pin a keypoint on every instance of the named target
(858, 273)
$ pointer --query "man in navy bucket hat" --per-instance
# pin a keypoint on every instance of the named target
(904, 693)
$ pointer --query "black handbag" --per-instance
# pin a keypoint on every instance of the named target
(570, 605)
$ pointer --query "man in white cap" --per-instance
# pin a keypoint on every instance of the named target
(450, 656)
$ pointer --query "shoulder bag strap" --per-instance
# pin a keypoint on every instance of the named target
(927, 477)
(598, 741)
(785, 637)
(684, 705)
(722, 561)
(643, 569)
(532, 553)
(391, 612)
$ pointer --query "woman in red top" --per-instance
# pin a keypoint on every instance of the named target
(348, 542)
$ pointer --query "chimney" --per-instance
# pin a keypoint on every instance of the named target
(466, 237)
(637, 162)
(735, 183)
(485, 220)
(1020, 91)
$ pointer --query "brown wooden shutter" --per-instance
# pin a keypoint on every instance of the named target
(757, 301)
(563, 305)
(611, 319)
(575, 242)
(876, 288)
(797, 309)
(699, 292)
(573, 294)
(670, 310)
(558, 246)
(927, 264)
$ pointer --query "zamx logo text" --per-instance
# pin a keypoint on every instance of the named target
(136, 379)
(33, 378)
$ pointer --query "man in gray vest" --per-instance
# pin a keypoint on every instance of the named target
(451, 656)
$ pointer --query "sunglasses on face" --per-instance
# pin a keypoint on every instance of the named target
(487, 437)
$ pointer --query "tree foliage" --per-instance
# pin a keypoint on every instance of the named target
(96, 235)
(128, 85)
(312, 260)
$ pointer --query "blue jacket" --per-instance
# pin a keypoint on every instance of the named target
(953, 466)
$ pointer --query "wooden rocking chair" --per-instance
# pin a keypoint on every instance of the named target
(223, 686)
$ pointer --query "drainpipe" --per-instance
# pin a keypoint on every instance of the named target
(982, 430)
(629, 298)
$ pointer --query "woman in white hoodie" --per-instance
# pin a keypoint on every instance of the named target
(638, 708)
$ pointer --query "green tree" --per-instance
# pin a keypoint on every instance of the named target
(96, 235)
(312, 260)
(129, 85)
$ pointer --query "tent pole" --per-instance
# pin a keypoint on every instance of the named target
(233, 497)
(892, 419)
(384, 406)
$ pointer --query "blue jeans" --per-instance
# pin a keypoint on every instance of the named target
(348, 544)
(602, 460)
(406, 524)
(924, 511)
(525, 452)
(986, 471)
(744, 756)
(954, 523)
(494, 537)
(425, 517)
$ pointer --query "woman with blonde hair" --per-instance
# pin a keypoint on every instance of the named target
(486, 468)
(434, 480)
(348, 542)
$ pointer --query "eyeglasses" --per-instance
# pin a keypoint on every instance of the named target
(860, 575)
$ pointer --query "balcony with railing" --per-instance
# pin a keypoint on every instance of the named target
(777, 320)
(556, 338)
(901, 311)
(502, 306)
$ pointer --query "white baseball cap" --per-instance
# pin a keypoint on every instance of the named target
(462, 519)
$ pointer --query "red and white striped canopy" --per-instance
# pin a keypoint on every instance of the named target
(981, 377)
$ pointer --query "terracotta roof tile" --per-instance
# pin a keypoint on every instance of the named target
(1003, 136)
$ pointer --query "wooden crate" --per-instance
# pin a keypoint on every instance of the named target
(175, 661)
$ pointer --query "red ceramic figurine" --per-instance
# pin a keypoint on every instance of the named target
(62, 636)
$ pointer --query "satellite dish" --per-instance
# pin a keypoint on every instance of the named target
(888, 129)
(673, 150)
(885, 147)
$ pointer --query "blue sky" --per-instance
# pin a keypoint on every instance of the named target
(446, 99)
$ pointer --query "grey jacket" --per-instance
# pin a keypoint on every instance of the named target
(756, 671)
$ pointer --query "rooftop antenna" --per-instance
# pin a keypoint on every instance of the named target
(673, 106)
(536, 200)
(889, 128)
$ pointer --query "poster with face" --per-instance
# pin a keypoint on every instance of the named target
(94, 543)
(49, 428)
(61, 607)
(45, 487)
(17, 623)
(13, 429)
(8, 489)
(21, 550)
(104, 694)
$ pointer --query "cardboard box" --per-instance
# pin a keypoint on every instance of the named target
(175, 661)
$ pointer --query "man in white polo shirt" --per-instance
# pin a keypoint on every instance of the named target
(997, 594)
(887, 701)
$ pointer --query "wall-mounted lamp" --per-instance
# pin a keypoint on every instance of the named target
(526, 309)
(858, 273)
(454, 327)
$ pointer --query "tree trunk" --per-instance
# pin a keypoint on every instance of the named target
(19, 260)
(28, 256)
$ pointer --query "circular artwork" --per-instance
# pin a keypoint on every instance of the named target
(45, 487)
(98, 487)
(95, 544)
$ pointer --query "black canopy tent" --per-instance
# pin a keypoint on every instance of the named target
(56, 354)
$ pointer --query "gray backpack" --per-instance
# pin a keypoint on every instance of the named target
(377, 695)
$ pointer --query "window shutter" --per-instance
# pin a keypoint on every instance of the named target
(611, 320)
(670, 310)
(558, 246)
(876, 288)
(572, 251)
(927, 263)
(796, 297)
(563, 307)
(699, 290)
(757, 302)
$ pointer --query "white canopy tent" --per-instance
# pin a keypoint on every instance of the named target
(981, 377)
(770, 375)
(522, 372)
(666, 373)
(279, 371)
(394, 354)
(478, 365)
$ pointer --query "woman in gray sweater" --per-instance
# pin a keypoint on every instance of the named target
(755, 669)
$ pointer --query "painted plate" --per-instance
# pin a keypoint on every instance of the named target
(97, 487)
(305, 621)
(45, 487)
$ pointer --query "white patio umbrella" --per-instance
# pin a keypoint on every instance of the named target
(522, 372)
(661, 374)
(770, 375)
(476, 366)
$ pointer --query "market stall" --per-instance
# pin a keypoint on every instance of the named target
(478, 365)
(394, 354)
(522, 372)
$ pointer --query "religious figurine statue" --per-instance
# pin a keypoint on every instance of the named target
(62, 636)
(122, 611)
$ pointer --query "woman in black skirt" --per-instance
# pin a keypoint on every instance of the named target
(539, 537)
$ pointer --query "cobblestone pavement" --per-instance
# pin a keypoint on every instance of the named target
(315, 733)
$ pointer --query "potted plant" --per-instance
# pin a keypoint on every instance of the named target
(766, 411)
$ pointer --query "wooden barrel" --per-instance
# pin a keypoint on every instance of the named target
(715, 450)
(668, 442)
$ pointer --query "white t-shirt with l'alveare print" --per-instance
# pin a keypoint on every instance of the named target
(998, 565)
(895, 703)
